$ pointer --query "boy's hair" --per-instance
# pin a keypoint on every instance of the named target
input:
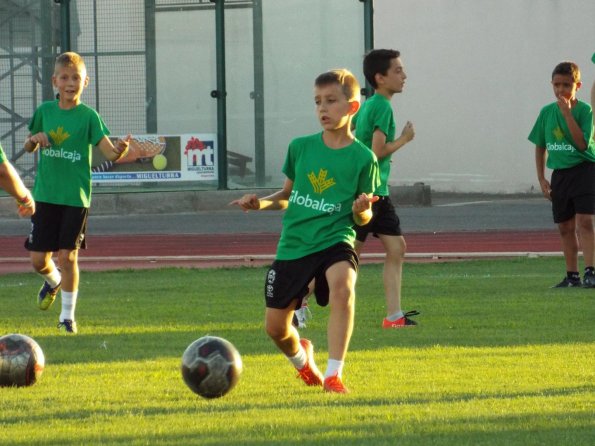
(378, 62)
(344, 78)
(70, 59)
(568, 68)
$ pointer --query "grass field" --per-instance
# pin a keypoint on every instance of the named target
(498, 359)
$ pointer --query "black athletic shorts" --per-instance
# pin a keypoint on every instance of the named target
(384, 221)
(288, 279)
(57, 226)
(573, 191)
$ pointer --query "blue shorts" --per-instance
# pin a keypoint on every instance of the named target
(57, 226)
(287, 280)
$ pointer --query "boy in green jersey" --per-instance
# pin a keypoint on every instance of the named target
(563, 136)
(64, 131)
(375, 127)
(11, 182)
(329, 185)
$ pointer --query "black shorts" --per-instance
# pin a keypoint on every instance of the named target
(57, 226)
(288, 279)
(573, 191)
(384, 221)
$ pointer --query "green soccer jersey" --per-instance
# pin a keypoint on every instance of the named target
(377, 113)
(551, 132)
(64, 171)
(2, 155)
(325, 183)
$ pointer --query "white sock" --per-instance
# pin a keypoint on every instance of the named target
(394, 317)
(68, 305)
(54, 278)
(300, 359)
(334, 367)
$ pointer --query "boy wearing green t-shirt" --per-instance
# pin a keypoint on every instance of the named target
(563, 136)
(375, 127)
(329, 185)
(11, 182)
(64, 131)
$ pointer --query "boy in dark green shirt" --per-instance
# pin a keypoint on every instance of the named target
(375, 127)
(329, 185)
(563, 136)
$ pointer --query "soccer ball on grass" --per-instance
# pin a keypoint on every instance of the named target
(211, 366)
(21, 361)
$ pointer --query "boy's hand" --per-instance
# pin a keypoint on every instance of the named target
(248, 202)
(546, 189)
(121, 147)
(408, 132)
(565, 105)
(26, 205)
(38, 140)
(364, 203)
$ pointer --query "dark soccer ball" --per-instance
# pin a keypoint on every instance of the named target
(21, 361)
(211, 366)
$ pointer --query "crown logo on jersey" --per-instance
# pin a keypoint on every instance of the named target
(558, 133)
(320, 183)
(59, 136)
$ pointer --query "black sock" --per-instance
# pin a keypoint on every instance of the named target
(590, 269)
(573, 275)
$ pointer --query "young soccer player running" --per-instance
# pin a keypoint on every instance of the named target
(64, 131)
(11, 182)
(329, 185)
(375, 127)
(563, 138)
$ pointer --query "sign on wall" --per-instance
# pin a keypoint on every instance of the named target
(156, 158)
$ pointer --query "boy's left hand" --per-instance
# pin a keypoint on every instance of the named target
(364, 203)
(121, 146)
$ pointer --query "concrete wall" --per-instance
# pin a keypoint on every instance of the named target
(479, 72)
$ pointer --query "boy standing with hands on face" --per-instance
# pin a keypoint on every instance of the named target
(329, 185)
(64, 131)
(563, 138)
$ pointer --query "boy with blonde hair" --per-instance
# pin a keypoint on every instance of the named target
(329, 185)
(563, 138)
(64, 131)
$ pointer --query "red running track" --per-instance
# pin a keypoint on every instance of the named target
(214, 250)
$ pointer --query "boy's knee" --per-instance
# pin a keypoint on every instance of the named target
(67, 259)
(275, 330)
(39, 264)
(342, 295)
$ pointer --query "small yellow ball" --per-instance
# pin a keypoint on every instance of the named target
(159, 162)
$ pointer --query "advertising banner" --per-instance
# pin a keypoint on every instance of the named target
(157, 158)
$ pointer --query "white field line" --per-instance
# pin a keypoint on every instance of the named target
(462, 203)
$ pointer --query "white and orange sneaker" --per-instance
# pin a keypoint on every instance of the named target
(310, 373)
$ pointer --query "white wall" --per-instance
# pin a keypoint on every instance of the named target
(478, 73)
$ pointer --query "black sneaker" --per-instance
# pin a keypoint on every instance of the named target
(569, 283)
(68, 326)
(589, 279)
